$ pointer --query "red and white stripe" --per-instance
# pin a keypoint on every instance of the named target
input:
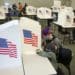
(27, 40)
(34, 40)
(4, 51)
(12, 50)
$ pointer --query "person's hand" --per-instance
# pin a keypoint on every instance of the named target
(56, 47)
(38, 50)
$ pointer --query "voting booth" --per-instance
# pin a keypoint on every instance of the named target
(30, 32)
(44, 13)
(31, 10)
(19, 41)
(7, 6)
(66, 16)
(2, 13)
(56, 6)
(30, 35)
(48, 13)
(10, 49)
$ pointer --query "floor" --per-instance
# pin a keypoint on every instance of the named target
(72, 47)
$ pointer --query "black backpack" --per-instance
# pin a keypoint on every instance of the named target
(65, 56)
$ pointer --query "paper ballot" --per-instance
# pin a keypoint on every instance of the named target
(10, 49)
(56, 6)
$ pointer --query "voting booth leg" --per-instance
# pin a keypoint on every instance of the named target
(23, 65)
(73, 35)
(49, 21)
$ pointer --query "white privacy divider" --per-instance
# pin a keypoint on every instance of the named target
(30, 35)
(65, 16)
(57, 3)
(40, 12)
(9, 24)
(31, 10)
(48, 13)
(2, 12)
(7, 5)
(56, 6)
(44, 13)
(10, 49)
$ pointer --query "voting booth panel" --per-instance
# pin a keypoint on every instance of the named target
(31, 10)
(65, 17)
(57, 3)
(44, 13)
(56, 6)
(30, 35)
(2, 12)
(10, 46)
(7, 5)
(40, 12)
(61, 17)
(69, 15)
(48, 12)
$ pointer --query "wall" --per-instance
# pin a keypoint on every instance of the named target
(37, 3)
(73, 4)
(11, 1)
(1, 1)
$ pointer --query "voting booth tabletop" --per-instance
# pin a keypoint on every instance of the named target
(37, 65)
(12, 71)
(33, 65)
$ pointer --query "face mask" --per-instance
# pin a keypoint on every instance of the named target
(50, 36)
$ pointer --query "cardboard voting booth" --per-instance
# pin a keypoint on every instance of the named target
(10, 49)
(57, 3)
(66, 16)
(30, 35)
(31, 41)
(48, 13)
(40, 12)
(31, 10)
(44, 13)
(2, 13)
(56, 6)
(6, 6)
